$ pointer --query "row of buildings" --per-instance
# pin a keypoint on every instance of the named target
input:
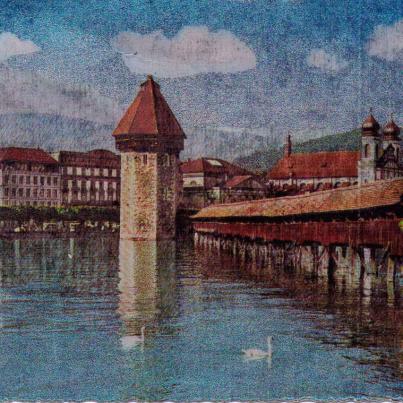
(34, 177)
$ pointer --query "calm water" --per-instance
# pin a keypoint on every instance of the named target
(69, 309)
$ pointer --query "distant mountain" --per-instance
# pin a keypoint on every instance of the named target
(264, 159)
(227, 143)
(53, 132)
(256, 149)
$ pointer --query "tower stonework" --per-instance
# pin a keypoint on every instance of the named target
(370, 150)
(150, 139)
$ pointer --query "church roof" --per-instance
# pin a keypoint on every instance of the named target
(334, 164)
(149, 114)
(20, 154)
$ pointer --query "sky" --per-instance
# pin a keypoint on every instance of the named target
(304, 66)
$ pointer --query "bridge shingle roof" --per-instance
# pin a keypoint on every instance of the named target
(376, 194)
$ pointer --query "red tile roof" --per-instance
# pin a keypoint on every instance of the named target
(26, 155)
(335, 164)
(212, 166)
(376, 194)
(238, 180)
(149, 114)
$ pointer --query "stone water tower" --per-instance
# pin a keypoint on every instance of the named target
(150, 139)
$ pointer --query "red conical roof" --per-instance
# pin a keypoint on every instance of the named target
(370, 124)
(391, 130)
(149, 114)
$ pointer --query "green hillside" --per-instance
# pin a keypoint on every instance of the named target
(263, 160)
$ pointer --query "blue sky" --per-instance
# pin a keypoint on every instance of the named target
(308, 66)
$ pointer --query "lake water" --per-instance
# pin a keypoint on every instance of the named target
(70, 310)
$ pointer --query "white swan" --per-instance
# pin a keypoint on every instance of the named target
(128, 342)
(257, 354)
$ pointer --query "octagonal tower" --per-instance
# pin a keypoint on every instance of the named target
(150, 139)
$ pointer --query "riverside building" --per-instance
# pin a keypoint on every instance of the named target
(28, 177)
(89, 178)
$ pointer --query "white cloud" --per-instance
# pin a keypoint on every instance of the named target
(387, 42)
(325, 61)
(11, 45)
(193, 50)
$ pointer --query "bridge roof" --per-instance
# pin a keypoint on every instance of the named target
(376, 194)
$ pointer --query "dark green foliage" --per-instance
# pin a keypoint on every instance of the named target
(263, 160)
(40, 214)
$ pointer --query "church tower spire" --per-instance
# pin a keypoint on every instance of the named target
(288, 146)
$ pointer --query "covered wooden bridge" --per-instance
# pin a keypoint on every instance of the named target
(359, 216)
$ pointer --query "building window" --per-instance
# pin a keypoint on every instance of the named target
(55, 193)
(113, 173)
(13, 179)
(35, 193)
(6, 179)
(21, 180)
(6, 192)
(48, 195)
(28, 180)
(35, 180)
(96, 171)
(28, 192)
(69, 170)
(145, 159)
(42, 180)
(105, 171)
(20, 192)
(41, 193)
(79, 171)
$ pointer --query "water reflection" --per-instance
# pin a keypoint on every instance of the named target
(72, 309)
(351, 308)
(147, 285)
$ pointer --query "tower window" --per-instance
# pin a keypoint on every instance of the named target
(366, 150)
(145, 159)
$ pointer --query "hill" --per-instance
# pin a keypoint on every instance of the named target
(53, 132)
(262, 160)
